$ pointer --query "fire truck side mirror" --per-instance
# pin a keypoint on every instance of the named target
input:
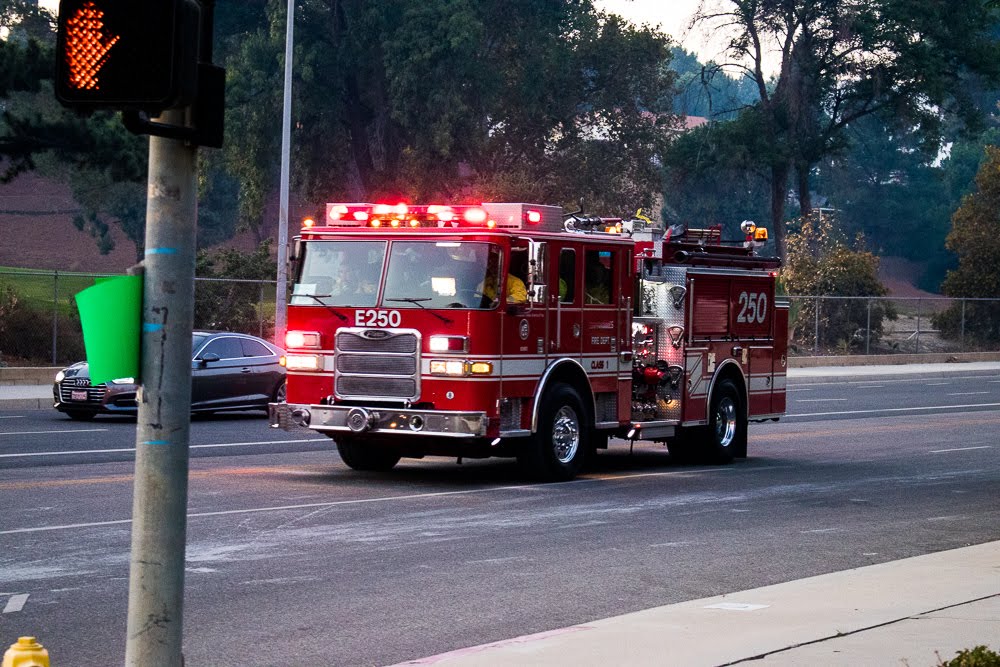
(538, 293)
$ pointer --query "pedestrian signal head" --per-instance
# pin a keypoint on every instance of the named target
(127, 54)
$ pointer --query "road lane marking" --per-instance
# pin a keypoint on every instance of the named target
(937, 384)
(922, 380)
(73, 430)
(382, 499)
(968, 393)
(878, 410)
(823, 530)
(16, 603)
(959, 449)
(869, 386)
(11, 416)
(132, 449)
(818, 400)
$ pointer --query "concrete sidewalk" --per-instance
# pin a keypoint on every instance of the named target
(912, 612)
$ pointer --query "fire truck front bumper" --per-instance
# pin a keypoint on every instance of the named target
(348, 419)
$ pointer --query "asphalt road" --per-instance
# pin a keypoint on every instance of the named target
(295, 560)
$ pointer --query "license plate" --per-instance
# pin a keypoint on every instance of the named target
(78, 395)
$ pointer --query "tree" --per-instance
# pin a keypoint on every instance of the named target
(975, 238)
(462, 100)
(821, 263)
(841, 61)
(228, 295)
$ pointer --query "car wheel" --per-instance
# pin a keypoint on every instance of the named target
(367, 456)
(81, 415)
(557, 451)
(280, 393)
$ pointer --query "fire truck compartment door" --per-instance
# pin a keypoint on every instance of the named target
(565, 327)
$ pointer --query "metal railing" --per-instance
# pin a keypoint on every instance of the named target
(828, 325)
(39, 322)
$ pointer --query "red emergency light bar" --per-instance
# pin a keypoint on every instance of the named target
(400, 215)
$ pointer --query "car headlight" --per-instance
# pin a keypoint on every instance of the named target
(60, 376)
(123, 381)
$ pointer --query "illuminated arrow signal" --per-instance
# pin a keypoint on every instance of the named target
(87, 46)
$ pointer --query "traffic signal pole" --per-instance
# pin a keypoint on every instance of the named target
(159, 506)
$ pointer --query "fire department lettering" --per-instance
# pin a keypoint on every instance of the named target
(377, 318)
(753, 308)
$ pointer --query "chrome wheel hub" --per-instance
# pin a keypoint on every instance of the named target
(565, 434)
(725, 422)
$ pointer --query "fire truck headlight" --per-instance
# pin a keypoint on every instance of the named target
(449, 344)
(302, 362)
(442, 367)
(307, 339)
(481, 368)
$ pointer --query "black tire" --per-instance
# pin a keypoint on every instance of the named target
(557, 452)
(727, 424)
(279, 393)
(365, 456)
(81, 415)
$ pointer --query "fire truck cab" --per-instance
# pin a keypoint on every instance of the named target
(516, 330)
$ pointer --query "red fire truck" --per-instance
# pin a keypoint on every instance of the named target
(518, 330)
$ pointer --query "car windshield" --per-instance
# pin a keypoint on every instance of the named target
(429, 274)
(339, 273)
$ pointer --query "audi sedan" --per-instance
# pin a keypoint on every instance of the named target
(229, 371)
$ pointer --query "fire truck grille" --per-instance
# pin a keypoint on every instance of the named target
(359, 385)
(377, 363)
(350, 341)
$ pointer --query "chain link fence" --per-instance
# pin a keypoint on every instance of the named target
(40, 325)
(833, 325)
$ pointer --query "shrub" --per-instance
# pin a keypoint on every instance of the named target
(25, 332)
(226, 304)
(821, 263)
(980, 656)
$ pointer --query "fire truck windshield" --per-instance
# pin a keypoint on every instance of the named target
(339, 273)
(429, 274)
(420, 274)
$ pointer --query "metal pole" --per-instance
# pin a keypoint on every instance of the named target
(816, 339)
(868, 329)
(260, 310)
(281, 297)
(55, 316)
(159, 505)
(919, 302)
(963, 325)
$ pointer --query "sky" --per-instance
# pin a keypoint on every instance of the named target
(673, 17)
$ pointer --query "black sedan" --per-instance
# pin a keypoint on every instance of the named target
(229, 371)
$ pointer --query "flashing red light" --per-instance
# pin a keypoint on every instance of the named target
(382, 209)
(533, 217)
(401, 210)
(376, 223)
(475, 215)
(394, 223)
(361, 216)
(414, 223)
(337, 212)
(308, 222)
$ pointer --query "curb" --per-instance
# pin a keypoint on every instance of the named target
(25, 403)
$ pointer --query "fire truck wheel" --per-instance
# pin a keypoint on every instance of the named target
(557, 451)
(724, 423)
(364, 456)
